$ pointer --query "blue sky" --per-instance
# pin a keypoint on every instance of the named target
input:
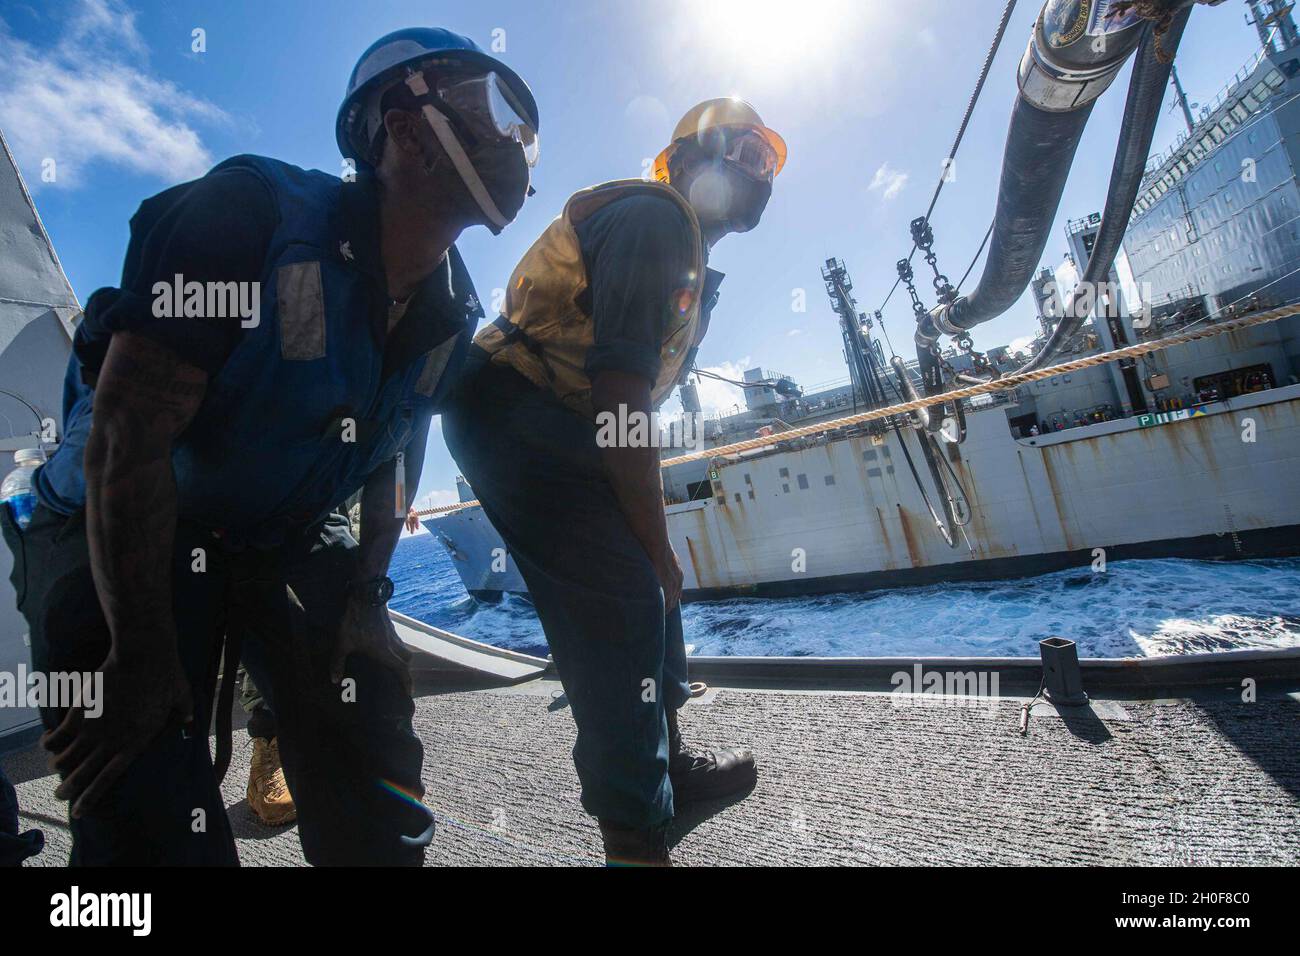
(868, 94)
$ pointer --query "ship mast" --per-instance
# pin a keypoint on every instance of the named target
(862, 353)
(1273, 21)
(1181, 95)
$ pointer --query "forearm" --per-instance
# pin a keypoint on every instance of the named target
(131, 529)
(633, 471)
(144, 399)
(635, 477)
(380, 525)
(382, 515)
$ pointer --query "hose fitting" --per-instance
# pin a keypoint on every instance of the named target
(934, 324)
(1075, 52)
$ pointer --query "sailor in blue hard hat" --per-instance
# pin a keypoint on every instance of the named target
(238, 440)
(477, 111)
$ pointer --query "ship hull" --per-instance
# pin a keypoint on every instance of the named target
(847, 515)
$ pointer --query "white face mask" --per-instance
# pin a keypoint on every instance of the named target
(720, 194)
(497, 219)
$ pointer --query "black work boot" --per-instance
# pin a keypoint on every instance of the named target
(707, 774)
(624, 847)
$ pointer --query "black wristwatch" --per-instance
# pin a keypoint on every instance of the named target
(374, 592)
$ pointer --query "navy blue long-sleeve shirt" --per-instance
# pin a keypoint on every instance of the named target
(637, 252)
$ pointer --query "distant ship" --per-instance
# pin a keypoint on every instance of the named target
(1192, 451)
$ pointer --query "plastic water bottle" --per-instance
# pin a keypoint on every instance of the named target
(16, 492)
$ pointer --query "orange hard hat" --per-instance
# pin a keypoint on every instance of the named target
(725, 112)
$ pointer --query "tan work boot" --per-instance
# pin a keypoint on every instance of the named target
(268, 794)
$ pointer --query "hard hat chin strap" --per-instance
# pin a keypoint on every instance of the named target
(468, 174)
(417, 84)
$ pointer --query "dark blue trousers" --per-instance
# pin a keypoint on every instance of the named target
(535, 467)
(346, 758)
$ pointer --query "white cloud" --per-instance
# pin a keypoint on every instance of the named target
(1020, 344)
(793, 332)
(87, 99)
(887, 181)
(722, 397)
(1067, 276)
(98, 21)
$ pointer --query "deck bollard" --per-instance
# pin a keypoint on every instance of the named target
(1062, 678)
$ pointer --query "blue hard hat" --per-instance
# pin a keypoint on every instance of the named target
(384, 63)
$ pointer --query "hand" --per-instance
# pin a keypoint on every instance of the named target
(137, 703)
(368, 631)
(669, 570)
(412, 521)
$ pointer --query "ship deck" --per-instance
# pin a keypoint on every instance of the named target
(850, 774)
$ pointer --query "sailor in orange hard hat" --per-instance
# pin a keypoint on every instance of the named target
(602, 320)
(742, 156)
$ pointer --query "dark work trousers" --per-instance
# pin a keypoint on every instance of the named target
(347, 760)
(261, 721)
(535, 467)
(14, 846)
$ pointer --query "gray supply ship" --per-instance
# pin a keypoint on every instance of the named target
(1191, 451)
(1167, 761)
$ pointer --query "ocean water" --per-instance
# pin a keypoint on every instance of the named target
(1134, 609)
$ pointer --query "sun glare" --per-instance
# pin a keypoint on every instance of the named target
(770, 33)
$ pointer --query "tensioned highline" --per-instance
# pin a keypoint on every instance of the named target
(984, 388)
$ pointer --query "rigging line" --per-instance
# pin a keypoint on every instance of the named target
(961, 130)
(979, 252)
(916, 477)
(761, 383)
(1231, 250)
(1145, 178)
(1215, 147)
(1255, 291)
(1226, 253)
(29, 406)
(894, 288)
(1006, 383)
(975, 95)
(880, 317)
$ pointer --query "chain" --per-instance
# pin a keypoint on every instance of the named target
(979, 360)
(906, 276)
(923, 236)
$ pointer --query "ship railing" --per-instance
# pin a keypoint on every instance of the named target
(1228, 91)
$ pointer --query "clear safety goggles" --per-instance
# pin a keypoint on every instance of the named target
(486, 105)
(750, 151)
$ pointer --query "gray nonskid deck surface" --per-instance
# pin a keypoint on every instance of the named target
(851, 778)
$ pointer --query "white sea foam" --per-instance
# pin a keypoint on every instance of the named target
(1134, 609)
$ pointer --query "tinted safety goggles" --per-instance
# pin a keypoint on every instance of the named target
(748, 150)
(490, 111)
